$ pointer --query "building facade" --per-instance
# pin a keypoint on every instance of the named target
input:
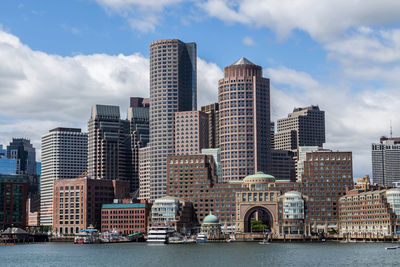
(173, 212)
(191, 132)
(13, 199)
(64, 156)
(283, 166)
(109, 145)
(327, 177)
(302, 127)
(22, 150)
(144, 173)
(173, 88)
(216, 154)
(138, 117)
(375, 212)
(7, 166)
(386, 161)
(212, 110)
(78, 202)
(244, 127)
(126, 218)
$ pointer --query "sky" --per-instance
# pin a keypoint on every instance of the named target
(58, 58)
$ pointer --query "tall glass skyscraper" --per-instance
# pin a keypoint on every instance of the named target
(173, 87)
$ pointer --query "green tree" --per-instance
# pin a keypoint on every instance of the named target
(257, 226)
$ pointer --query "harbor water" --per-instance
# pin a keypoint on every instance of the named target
(207, 254)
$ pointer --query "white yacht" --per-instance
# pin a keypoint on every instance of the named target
(201, 238)
(159, 234)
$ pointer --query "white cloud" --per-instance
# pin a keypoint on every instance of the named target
(40, 91)
(248, 41)
(354, 119)
(142, 15)
(322, 19)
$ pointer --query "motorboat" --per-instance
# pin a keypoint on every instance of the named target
(201, 238)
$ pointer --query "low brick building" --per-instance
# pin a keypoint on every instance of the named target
(370, 212)
(77, 203)
(126, 218)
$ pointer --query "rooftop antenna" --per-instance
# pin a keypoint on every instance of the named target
(391, 129)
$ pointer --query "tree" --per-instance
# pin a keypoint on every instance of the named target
(257, 226)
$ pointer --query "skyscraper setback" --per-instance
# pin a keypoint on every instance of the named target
(244, 117)
(138, 117)
(108, 144)
(303, 127)
(173, 87)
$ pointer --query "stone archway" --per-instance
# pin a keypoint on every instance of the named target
(258, 213)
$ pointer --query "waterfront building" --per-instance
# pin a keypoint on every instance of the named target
(327, 176)
(64, 156)
(211, 227)
(216, 153)
(370, 212)
(191, 132)
(144, 173)
(244, 128)
(126, 218)
(173, 88)
(386, 161)
(22, 150)
(13, 199)
(108, 144)
(193, 178)
(212, 110)
(283, 165)
(173, 212)
(7, 166)
(138, 117)
(78, 202)
(263, 198)
(303, 127)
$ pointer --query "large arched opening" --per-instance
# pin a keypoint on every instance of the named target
(258, 219)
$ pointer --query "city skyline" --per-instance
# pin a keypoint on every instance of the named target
(308, 63)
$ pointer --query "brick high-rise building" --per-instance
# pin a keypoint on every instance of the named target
(191, 132)
(386, 161)
(244, 112)
(173, 88)
(302, 127)
(212, 110)
(64, 156)
(108, 144)
(138, 117)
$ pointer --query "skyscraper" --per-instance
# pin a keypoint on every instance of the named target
(302, 127)
(108, 144)
(191, 132)
(212, 110)
(386, 161)
(244, 115)
(173, 87)
(138, 117)
(7, 166)
(64, 156)
(22, 150)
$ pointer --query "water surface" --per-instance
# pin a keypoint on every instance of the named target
(211, 254)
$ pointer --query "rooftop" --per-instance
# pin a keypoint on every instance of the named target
(243, 61)
(124, 206)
